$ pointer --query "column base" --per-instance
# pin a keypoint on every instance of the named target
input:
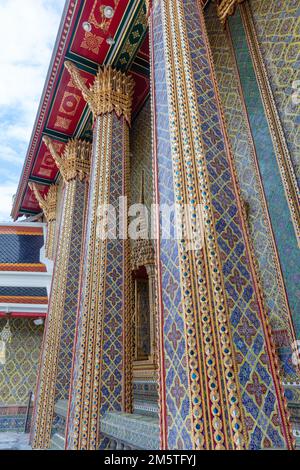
(59, 425)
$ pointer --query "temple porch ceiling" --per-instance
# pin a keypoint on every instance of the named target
(89, 39)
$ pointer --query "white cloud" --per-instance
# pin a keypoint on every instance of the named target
(27, 35)
(7, 192)
(10, 155)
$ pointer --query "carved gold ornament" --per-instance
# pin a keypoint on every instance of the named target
(105, 20)
(75, 159)
(112, 90)
(5, 338)
(142, 254)
(148, 7)
(227, 8)
(47, 203)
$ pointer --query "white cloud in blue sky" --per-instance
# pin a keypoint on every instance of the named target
(27, 36)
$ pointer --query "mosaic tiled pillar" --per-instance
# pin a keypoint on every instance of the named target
(48, 205)
(101, 381)
(56, 358)
(280, 115)
(247, 154)
(219, 382)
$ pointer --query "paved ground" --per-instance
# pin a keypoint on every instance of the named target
(14, 441)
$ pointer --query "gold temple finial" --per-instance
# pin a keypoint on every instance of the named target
(226, 8)
(47, 203)
(112, 90)
(75, 160)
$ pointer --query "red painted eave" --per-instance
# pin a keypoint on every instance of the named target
(47, 88)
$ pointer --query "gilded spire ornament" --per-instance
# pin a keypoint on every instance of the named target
(75, 159)
(47, 203)
(227, 8)
(112, 90)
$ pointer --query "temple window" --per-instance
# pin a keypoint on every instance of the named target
(142, 317)
(144, 331)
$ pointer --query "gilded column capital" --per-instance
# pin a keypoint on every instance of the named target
(47, 203)
(75, 159)
(227, 8)
(112, 90)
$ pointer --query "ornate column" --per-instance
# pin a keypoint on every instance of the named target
(48, 205)
(101, 380)
(56, 359)
(218, 369)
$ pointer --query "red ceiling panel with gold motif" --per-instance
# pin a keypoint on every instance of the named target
(44, 166)
(92, 44)
(68, 105)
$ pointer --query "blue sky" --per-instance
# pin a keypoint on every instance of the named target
(27, 36)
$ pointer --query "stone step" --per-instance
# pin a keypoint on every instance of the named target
(131, 430)
(59, 424)
(61, 408)
(57, 442)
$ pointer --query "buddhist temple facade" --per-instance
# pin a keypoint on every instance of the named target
(164, 166)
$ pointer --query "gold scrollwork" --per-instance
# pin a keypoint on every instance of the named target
(104, 21)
